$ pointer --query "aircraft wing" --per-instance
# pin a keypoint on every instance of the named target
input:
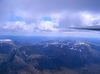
(88, 28)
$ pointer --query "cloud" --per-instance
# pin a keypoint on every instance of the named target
(90, 19)
(79, 19)
(64, 14)
(48, 25)
(18, 26)
(33, 8)
(58, 22)
(21, 26)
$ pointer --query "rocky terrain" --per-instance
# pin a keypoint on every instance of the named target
(49, 57)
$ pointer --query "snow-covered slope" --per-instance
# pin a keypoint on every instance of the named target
(6, 41)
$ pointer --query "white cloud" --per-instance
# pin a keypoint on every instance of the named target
(89, 19)
(48, 25)
(21, 26)
(59, 22)
(18, 26)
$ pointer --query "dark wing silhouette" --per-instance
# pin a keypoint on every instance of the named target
(94, 28)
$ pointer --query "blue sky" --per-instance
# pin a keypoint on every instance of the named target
(43, 16)
(15, 18)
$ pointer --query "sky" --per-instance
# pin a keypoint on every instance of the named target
(32, 17)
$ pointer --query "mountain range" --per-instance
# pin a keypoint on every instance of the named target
(49, 57)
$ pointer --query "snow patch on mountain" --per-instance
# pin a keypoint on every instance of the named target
(6, 41)
(76, 45)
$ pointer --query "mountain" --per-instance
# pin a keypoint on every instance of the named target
(55, 55)
(49, 57)
(6, 45)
